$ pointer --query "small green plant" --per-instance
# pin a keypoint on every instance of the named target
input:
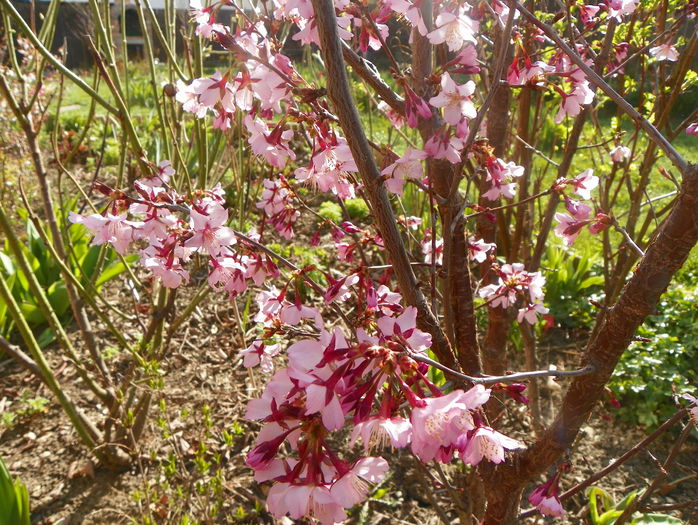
(331, 211)
(568, 288)
(356, 208)
(28, 407)
(14, 499)
(603, 510)
(91, 264)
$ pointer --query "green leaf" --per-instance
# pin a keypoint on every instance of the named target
(58, 298)
(115, 269)
(8, 267)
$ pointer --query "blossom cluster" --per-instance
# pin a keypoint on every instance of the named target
(579, 214)
(376, 384)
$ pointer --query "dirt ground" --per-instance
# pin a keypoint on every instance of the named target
(197, 418)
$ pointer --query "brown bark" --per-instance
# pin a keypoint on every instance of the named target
(459, 313)
(340, 95)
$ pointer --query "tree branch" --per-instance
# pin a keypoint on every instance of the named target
(340, 95)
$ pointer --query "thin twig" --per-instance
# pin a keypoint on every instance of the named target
(509, 378)
(627, 238)
(599, 82)
(639, 447)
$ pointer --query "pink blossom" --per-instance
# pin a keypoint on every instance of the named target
(530, 313)
(665, 52)
(272, 145)
(456, 99)
(260, 354)
(443, 146)
(351, 488)
(572, 103)
(487, 443)
(618, 8)
(379, 431)
(190, 99)
(305, 354)
(411, 12)
(394, 117)
(429, 247)
(692, 129)
(169, 271)
(269, 303)
(338, 290)
(404, 327)
(415, 107)
(578, 210)
(584, 183)
(228, 272)
(477, 249)
(207, 223)
(215, 91)
(320, 398)
(619, 153)
(268, 86)
(443, 420)
(409, 166)
(466, 61)
(569, 228)
(501, 173)
(113, 229)
(297, 501)
(292, 314)
(454, 30)
(545, 498)
(589, 14)
(327, 170)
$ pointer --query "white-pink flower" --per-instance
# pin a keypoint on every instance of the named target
(618, 8)
(114, 229)
(456, 99)
(487, 443)
(584, 183)
(409, 166)
(665, 52)
(404, 328)
(569, 227)
(260, 354)
(619, 153)
(210, 232)
(298, 501)
(571, 103)
(443, 420)
(352, 487)
(454, 30)
(379, 432)
(530, 312)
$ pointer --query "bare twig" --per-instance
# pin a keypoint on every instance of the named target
(509, 378)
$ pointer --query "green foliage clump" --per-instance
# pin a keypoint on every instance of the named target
(357, 208)
(93, 265)
(331, 211)
(569, 287)
(649, 371)
(603, 510)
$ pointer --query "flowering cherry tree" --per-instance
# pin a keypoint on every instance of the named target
(363, 343)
